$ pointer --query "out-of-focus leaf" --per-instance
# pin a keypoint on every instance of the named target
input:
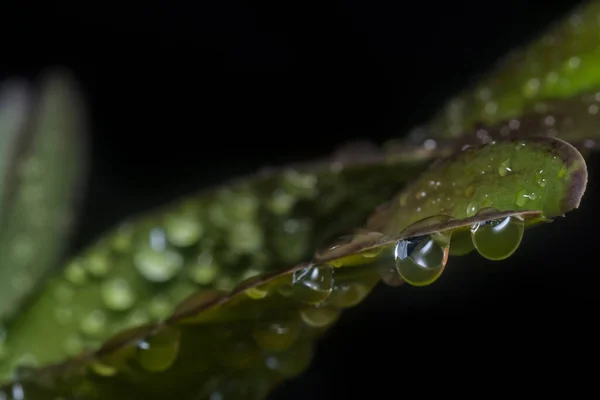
(550, 87)
(240, 343)
(42, 138)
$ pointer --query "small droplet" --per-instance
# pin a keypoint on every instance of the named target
(540, 179)
(319, 316)
(420, 261)
(102, 369)
(498, 239)
(159, 351)
(183, 230)
(93, 324)
(97, 264)
(276, 336)
(523, 196)
(117, 294)
(471, 209)
(75, 273)
(313, 284)
(204, 270)
(348, 294)
(504, 168)
(158, 266)
(281, 203)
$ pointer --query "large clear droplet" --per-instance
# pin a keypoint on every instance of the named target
(420, 261)
(313, 284)
(498, 239)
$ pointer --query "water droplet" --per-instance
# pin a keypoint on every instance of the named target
(204, 270)
(313, 284)
(183, 230)
(281, 203)
(523, 196)
(540, 179)
(420, 261)
(498, 239)
(102, 369)
(158, 265)
(159, 351)
(471, 209)
(75, 273)
(117, 294)
(276, 336)
(319, 316)
(93, 324)
(504, 168)
(292, 362)
(461, 242)
(390, 277)
(349, 294)
(97, 264)
(246, 237)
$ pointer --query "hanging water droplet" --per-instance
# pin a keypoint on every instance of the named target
(390, 277)
(313, 284)
(158, 265)
(159, 351)
(276, 336)
(461, 243)
(349, 294)
(319, 316)
(117, 294)
(498, 239)
(504, 168)
(420, 261)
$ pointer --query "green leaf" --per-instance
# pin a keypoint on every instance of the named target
(42, 138)
(547, 88)
(244, 341)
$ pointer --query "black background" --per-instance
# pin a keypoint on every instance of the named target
(184, 95)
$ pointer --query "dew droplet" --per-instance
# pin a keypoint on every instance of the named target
(276, 336)
(471, 209)
(102, 369)
(498, 239)
(183, 230)
(420, 261)
(523, 196)
(93, 324)
(319, 316)
(313, 284)
(504, 168)
(349, 294)
(159, 351)
(97, 264)
(158, 265)
(75, 273)
(204, 270)
(540, 179)
(117, 294)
